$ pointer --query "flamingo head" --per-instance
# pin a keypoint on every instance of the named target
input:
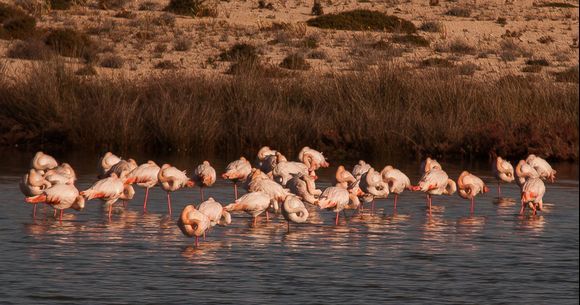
(189, 183)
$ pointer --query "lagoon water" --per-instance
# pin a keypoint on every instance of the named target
(405, 257)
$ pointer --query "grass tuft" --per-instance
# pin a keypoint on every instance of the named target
(362, 20)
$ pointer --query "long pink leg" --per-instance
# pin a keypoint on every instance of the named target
(472, 203)
(54, 215)
(430, 203)
(203, 235)
(124, 203)
(336, 220)
(288, 226)
(267, 216)
(522, 208)
(396, 196)
(145, 201)
(60, 217)
(373, 207)
(236, 190)
(110, 211)
(34, 211)
(255, 220)
(498, 189)
(196, 241)
(169, 203)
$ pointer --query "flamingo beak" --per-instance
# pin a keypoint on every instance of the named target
(189, 183)
(485, 189)
(415, 188)
(130, 180)
(225, 176)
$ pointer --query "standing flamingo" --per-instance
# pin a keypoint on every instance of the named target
(503, 171)
(533, 192)
(284, 171)
(429, 164)
(33, 184)
(215, 212)
(435, 182)
(312, 158)
(361, 168)
(254, 204)
(338, 199)
(469, 185)
(121, 168)
(171, 179)
(60, 197)
(276, 192)
(42, 161)
(304, 187)
(523, 172)
(266, 159)
(372, 184)
(343, 178)
(236, 171)
(396, 180)
(106, 162)
(293, 209)
(62, 174)
(145, 175)
(543, 168)
(193, 223)
(108, 190)
(204, 175)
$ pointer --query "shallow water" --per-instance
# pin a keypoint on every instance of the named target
(492, 257)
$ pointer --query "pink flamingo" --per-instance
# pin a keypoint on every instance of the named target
(33, 184)
(372, 184)
(435, 182)
(276, 192)
(523, 172)
(193, 223)
(121, 168)
(145, 175)
(343, 178)
(503, 171)
(312, 158)
(361, 168)
(42, 161)
(60, 197)
(293, 210)
(254, 204)
(338, 199)
(62, 174)
(215, 212)
(172, 179)
(469, 185)
(236, 171)
(204, 175)
(106, 162)
(542, 167)
(429, 164)
(304, 187)
(533, 192)
(396, 180)
(109, 190)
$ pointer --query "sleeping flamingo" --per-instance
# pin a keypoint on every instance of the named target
(284, 171)
(533, 192)
(372, 184)
(204, 175)
(523, 172)
(503, 172)
(171, 179)
(42, 161)
(276, 192)
(293, 210)
(109, 190)
(359, 169)
(469, 185)
(236, 171)
(435, 182)
(60, 197)
(312, 158)
(429, 164)
(121, 168)
(304, 187)
(216, 213)
(543, 168)
(106, 162)
(338, 199)
(145, 175)
(396, 180)
(254, 204)
(343, 178)
(193, 223)
(33, 184)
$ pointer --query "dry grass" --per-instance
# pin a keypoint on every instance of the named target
(435, 111)
(362, 20)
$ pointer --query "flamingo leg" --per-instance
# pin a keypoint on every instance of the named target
(34, 211)
(498, 189)
(336, 220)
(145, 201)
(430, 199)
(110, 210)
(255, 220)
(236, 190)
(125, 203)
(60, 217)
(201, 193)
(288, 222)
(169, 202)
(396, 196)
(196, 241)
(203, 235)
(522, 208)
(54, 215)
(373, 207)
(267, 216)
(472, 204)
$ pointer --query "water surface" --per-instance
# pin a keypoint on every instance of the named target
(492, 257)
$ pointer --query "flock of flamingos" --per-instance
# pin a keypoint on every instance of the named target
(274, 185)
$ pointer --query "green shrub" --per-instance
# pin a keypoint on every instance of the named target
(362, 20)
(409, 39)
(467, 69)
(70, 43)
(295, 61)
(501, 21)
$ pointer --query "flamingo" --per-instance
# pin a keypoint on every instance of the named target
(469, 186)
(359, 169)
(312, 158)
(215, 212)
(106, 162)
(543, 168)
(33, 184)
(429, 164)
(60, 197)
(254, 203)
(266, 159)
(145, 175)
(372, 184)
(396, 180)
(204, 175)
(343, 178)
(42, 161)
(236, 171)
(304, 187)
(171, 179)
(338, 199)
(193, 223)
(62, 174)
(435, 182)
(276, 192)
(293, 209)
(503, 171)
(109, 190)
(524, 171)
(284, 171)
(533, 192)
(121, 168)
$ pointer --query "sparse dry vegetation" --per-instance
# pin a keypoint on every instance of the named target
(362, 20)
